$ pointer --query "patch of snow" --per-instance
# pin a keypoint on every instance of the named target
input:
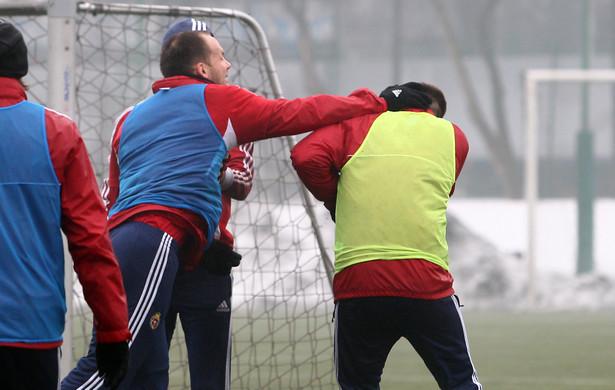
(488, 242)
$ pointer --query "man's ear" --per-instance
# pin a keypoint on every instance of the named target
(200, 69)
(435, 107)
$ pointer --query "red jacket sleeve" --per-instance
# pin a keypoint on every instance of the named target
(317, 160)
(319, 157)
(236, 184)
(251, 117)
(239, 172)
(111, 185)
(462, 148)
(84, 222)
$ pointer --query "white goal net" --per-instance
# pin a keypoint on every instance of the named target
(282, 300)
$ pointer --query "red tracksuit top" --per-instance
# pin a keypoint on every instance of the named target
(318, 159)
(84, 222)
(236, 184)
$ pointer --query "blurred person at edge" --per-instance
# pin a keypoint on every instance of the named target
(47, 186)
(386, 180)
(167, 152)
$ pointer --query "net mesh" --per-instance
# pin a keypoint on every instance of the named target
(282, 301)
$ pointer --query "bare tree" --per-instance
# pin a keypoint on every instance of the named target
(497, 134)
(297, 9)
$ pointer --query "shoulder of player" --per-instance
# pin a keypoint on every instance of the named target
(58, 117)
(60, 127)
(458, 132)
(119, 122)
(228, 92)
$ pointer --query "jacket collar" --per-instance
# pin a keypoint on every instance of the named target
(11, 92)
(177, 81)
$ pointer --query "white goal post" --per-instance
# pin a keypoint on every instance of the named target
(532, 78)
(91, 61)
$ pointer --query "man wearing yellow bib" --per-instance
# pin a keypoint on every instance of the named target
(386, 179)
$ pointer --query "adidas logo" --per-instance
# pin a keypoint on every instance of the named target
(396, 92)
(223, 307)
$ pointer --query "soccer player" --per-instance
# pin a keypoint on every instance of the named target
(202, 294)
(168, 151)
(47, 186)
(386, 179)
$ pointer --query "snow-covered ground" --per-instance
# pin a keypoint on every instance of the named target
(504, 224)
(488, 244)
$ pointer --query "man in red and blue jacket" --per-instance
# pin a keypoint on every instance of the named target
(202, 294)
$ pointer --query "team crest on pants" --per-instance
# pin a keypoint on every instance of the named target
(154, 321)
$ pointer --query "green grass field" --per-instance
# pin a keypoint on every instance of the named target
(538, 351)
(511, 351)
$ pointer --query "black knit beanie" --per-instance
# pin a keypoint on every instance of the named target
(13, 52)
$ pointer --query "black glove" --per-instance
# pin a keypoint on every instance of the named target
(112, 362)
(409, 95)
(219, 258)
